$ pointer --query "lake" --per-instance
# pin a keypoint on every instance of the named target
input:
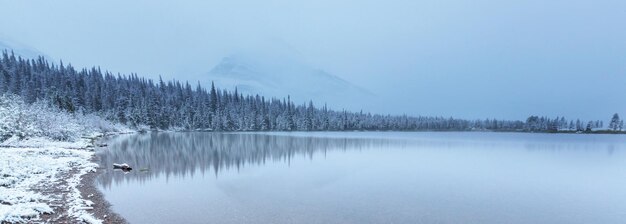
(366, 177)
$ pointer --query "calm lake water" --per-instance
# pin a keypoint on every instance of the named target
(367, 177)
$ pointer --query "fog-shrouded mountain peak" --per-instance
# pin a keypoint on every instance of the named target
(21, 50)
(281, 73)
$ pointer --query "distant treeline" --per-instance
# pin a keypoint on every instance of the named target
(144, 103)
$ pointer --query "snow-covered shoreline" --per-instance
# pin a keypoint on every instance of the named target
(44, 153)
(35, 179)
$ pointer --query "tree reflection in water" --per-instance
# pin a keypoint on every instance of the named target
(182, 154)
(185, 153)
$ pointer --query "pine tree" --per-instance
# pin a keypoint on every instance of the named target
(589, 126)
(615, 121)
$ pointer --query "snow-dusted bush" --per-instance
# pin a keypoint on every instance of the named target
(35, 120)
(95, 124)
(54, 123)
(15, 119)
(40, 119)
(142, 128)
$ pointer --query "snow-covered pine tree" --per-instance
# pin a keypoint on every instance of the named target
(615, 121)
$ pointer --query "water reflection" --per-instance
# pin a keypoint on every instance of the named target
(182, 154)
(367, 177)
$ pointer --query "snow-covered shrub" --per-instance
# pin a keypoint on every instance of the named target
(142, 128)
(15, 118)
(40, 119)
(35, 120)
(96, 124)
(54, 123)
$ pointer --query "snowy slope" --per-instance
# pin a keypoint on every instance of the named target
(21, 50)
(279, 74)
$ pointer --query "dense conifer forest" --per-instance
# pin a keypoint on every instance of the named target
(173, 105)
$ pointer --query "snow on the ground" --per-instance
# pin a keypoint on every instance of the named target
(40, 142)
(44, 151)
(39, 165)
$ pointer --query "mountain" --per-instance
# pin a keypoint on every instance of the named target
(282, 73)
(21, 50)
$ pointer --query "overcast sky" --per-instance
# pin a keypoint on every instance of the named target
(462, 58)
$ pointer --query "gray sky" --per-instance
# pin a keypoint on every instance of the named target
(462, 58)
